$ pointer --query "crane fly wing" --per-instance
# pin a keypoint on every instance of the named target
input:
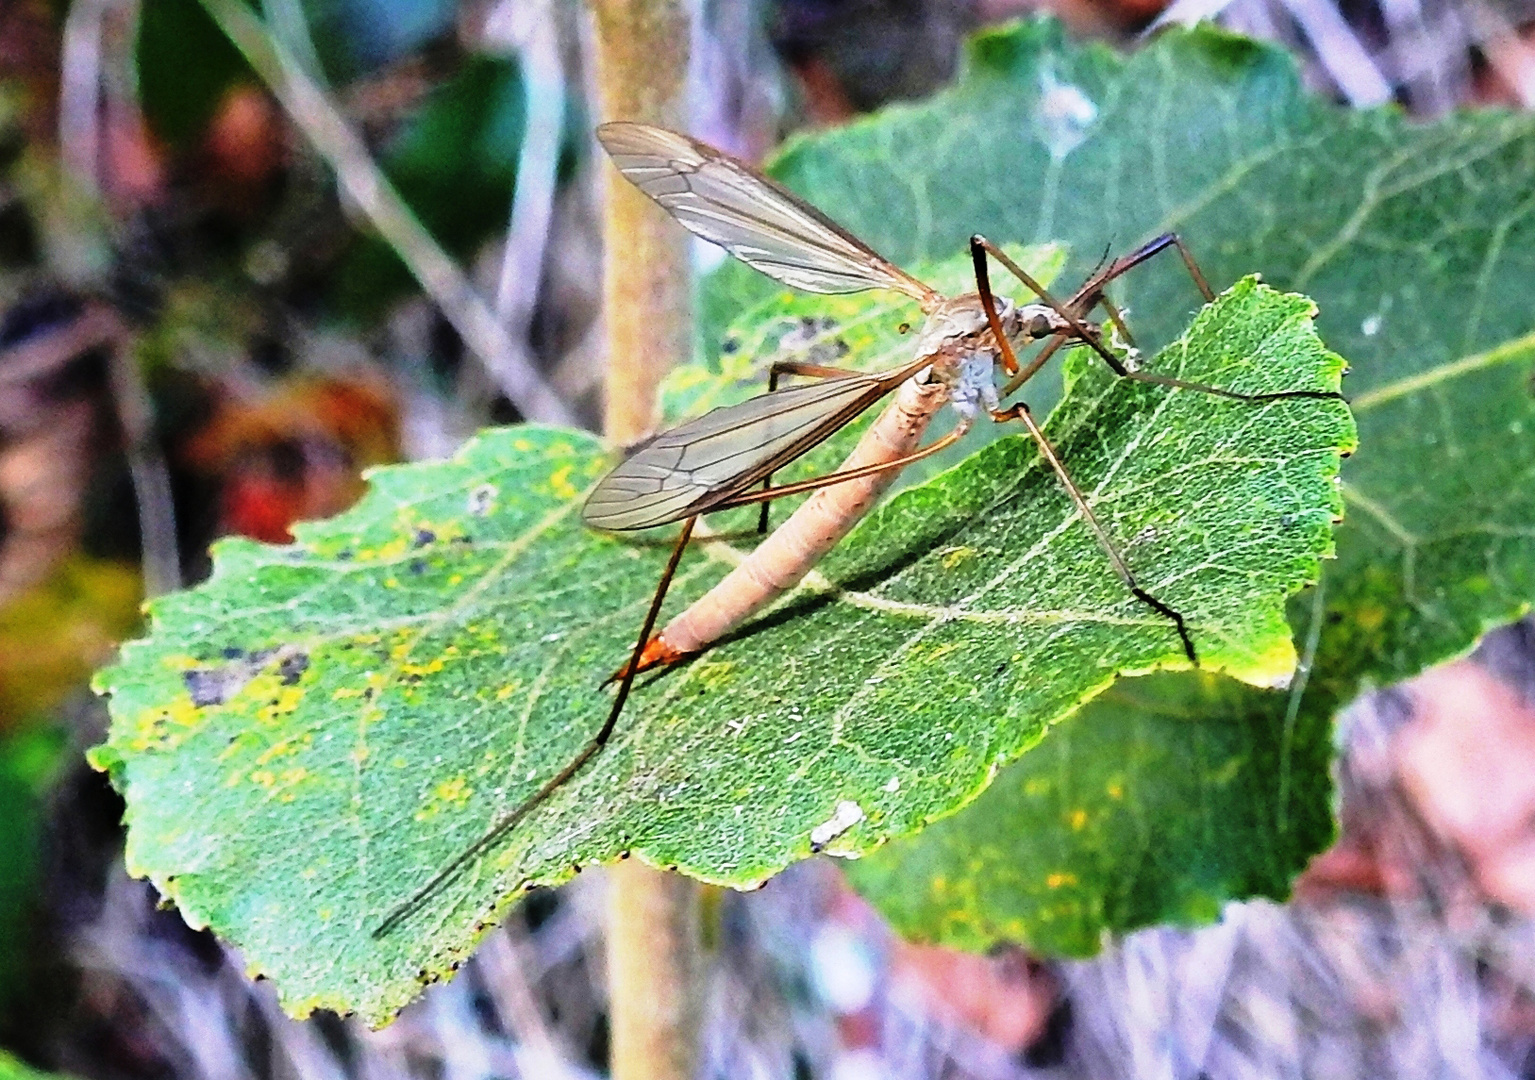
(695, 465)
(757, 220)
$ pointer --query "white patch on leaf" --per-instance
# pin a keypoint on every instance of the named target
(847, 814)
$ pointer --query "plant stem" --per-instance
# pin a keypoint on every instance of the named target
(654, 956)
(655, 973)
(642, 56)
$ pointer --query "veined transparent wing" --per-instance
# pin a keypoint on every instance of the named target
(757, 220)
(701, 463)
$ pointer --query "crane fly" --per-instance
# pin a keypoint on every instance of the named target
(717, 461)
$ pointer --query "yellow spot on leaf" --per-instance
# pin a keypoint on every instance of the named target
(431, 667)
(287, 700)
(957, 556)
(1077, 819)
(559, 483)
(454, 790)
(943, 650)
(1056, 880)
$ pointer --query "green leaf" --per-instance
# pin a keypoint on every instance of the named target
(1418, 244)
(12, 1068)
(1156, 803)
(307, 737)
(28, 761)
(185, 65)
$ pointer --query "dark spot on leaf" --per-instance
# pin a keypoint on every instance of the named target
(217, 684)
(481, 498)
(417, 567)
(730, 345)
(367, 694)
(904, 328)
(232, 652)
(423, 537)
(344, 555)
(1002, 667)
(465, 539)
(842, 347)
(292, 667)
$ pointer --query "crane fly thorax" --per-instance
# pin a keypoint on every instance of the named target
(958, 338)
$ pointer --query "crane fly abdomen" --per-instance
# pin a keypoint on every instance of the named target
(815, 527)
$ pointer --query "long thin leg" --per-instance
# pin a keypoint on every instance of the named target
(980, 247)
(747, 498)
(1027, 372)
(1141, 254)
(1092, 294)
(509, 820)
(1020, 411)
(793, 367)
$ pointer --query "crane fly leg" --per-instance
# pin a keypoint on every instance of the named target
(1020, 411)
(1091, 295)
(775, 370)
(780, 368)
(657, 653)
(1152, 247)
(508, 821)
(801, 486)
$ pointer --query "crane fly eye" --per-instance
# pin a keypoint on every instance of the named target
(1039, 326)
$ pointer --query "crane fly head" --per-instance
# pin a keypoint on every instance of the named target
(1035, 322)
